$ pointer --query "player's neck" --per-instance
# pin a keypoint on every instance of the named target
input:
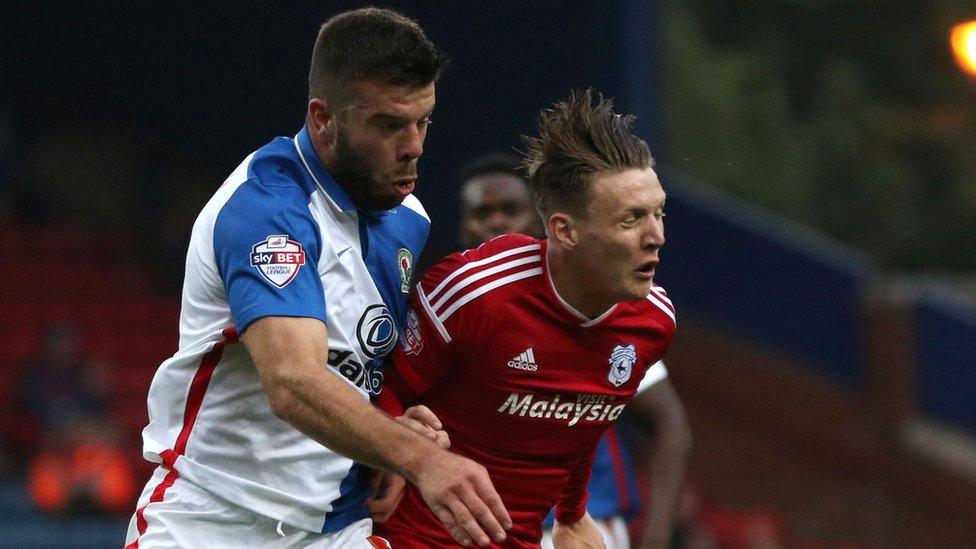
(572, 285)
(323, 150)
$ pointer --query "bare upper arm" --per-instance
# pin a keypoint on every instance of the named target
(281, 345)
(658, 401)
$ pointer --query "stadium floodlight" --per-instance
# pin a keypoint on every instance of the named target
(963, 40)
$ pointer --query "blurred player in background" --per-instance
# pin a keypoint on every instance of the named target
(495, 199)
(296, 284)
(528, 350)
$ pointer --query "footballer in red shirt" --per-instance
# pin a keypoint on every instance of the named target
(527, 350)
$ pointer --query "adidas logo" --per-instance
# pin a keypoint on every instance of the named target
(524, 361)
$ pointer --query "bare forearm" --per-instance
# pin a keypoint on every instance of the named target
(666, 474)
(290, 356)
(669, 454)
(347, 423)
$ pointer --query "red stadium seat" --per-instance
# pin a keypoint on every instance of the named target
(92, 283)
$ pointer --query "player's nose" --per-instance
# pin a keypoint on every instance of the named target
(654, 235)
(412, 146)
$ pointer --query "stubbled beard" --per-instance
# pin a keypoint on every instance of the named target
(354, 175)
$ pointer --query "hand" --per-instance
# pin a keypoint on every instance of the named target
(422, 420)
(388, 489)
(582, 534)
(460, 493)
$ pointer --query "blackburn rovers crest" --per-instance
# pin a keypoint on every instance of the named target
(278, 258)
(405, 262)
(622, 361)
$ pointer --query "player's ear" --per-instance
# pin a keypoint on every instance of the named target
(321, 121)
(562, 229)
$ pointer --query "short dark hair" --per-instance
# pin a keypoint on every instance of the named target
(371, 44)
(492, 163)
(578, 139)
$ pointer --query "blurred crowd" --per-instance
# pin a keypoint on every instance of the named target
(65, 440)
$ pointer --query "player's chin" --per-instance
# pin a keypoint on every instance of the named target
(641, 287)
(386, 201)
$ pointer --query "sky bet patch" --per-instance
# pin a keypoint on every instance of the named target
(278, 259)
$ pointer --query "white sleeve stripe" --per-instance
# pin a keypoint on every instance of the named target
(654, 374)
(663, 295)
(430, 314)
(487, 288)
(476, 264)
(662, 298)
(654, 299)
(484, 274)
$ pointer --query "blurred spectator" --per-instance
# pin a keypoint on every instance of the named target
(58, 388)
(495, 200)
(80, 466)
(82, 470)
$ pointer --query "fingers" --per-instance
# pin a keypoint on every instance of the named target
(380, 511)
(447, 518)
(478, 510)
(486, 491)
(438, 436)
(424, 415)
(427, 417)
(460, 493)
(386, 496)
(418, 427)
(443, 439)
(375, 478)
(470, 517)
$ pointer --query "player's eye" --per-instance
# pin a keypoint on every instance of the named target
(389, 125)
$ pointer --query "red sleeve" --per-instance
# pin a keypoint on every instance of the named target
(389, 402)
(572, 503)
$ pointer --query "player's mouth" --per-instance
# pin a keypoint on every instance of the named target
(404, 185)
(646, 270)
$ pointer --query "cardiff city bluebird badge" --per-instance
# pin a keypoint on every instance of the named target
(622, 361)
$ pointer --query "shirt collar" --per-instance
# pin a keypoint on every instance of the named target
(318, 172)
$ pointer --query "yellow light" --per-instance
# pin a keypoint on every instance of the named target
(963, 41)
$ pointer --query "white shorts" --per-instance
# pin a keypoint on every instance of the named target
(613, 529)
(173, 512)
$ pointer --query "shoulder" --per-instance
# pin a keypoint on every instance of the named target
(267, 178)
(271, 178)
(485, 275)
(268, 194)
(278, 167)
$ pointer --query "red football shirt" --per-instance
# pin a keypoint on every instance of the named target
(523, 383)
